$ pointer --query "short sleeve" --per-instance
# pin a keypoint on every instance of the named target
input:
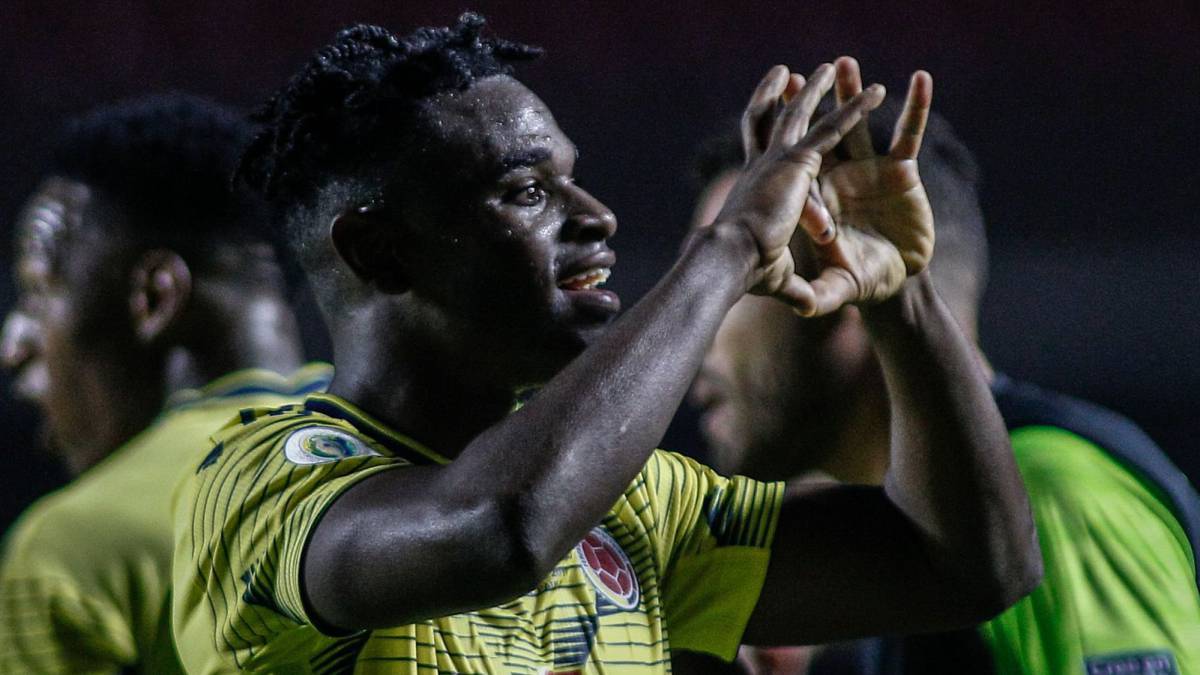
(242, 527)
(713, 535)
(1118, 581)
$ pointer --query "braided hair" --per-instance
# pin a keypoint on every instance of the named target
(342, 116)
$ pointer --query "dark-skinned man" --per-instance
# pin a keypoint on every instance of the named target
(151, 309)
(410, 521)
(1118, 524)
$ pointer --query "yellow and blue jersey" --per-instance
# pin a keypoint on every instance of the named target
(678, 561)
(85, 575)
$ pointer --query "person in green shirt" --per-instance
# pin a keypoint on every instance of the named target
(151, 309)
(1117, 523)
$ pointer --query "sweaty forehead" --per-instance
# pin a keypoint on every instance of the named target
(495, 121)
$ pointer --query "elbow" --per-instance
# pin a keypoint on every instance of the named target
(512, 558)
(479, 537)
(1024, 574)
(1008, 579)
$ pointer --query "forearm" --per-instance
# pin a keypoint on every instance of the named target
(952, 471)
(526, 490)
(568, 454)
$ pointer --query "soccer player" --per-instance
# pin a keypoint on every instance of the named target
(151, 310)
(412, 521)
(1118, 524)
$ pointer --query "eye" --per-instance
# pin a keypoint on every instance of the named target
(528, 195)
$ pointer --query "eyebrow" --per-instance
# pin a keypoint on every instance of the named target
(525, 158)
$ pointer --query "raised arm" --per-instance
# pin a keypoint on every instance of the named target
(948, 540)
(524, 492)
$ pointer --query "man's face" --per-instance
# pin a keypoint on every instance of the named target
(57, 338)
(773, 387)
(511, 251)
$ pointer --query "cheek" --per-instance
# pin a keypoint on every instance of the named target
(65, 404)
(74, 362)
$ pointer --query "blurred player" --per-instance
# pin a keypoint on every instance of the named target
(410, 521)
(151, 310)
(1118, 525)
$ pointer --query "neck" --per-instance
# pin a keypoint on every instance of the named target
(261, 333)
(412, 385)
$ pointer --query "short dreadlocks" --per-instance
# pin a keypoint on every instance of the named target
(337, 119)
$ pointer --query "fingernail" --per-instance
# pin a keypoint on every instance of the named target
(827, 235)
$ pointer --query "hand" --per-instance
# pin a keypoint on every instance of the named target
(783, 161)
(884, 222)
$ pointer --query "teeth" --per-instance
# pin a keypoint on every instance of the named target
(587, 280)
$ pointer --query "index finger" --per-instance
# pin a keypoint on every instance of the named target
(910, 127)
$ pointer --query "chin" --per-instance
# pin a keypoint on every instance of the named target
(558, 349)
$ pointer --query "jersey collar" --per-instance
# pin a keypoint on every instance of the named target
(397, 443)
(312, 377)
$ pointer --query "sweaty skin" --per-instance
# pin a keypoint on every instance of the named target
(480, 287)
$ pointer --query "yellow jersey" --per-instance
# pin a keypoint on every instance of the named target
(678, 561)
(85, 576)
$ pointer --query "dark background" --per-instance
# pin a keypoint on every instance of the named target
(1084, 117)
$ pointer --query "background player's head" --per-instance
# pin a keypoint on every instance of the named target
(429, 196)
(774, 385)
(136, 264)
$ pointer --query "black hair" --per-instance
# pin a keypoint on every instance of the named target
(951, 177)
(165, 162)
(342, 116)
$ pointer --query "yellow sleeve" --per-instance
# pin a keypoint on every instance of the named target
(241, 528)
(713, 534)
(47, 624)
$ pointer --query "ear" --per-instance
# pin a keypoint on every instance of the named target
(160, 288)
(370, 246)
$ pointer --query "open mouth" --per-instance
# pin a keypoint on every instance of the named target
(585, 281)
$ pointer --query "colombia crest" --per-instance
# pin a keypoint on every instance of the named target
(608, 569)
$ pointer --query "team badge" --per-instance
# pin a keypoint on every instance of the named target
(608, 569)
(318, 445)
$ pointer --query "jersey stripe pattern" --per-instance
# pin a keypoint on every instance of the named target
(683, 548)
(86, 572)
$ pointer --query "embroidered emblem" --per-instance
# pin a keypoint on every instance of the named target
(318, 445)
(1133, 663)
(608, 569)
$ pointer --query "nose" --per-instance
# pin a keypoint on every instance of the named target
(18, 341)
(589, 220)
